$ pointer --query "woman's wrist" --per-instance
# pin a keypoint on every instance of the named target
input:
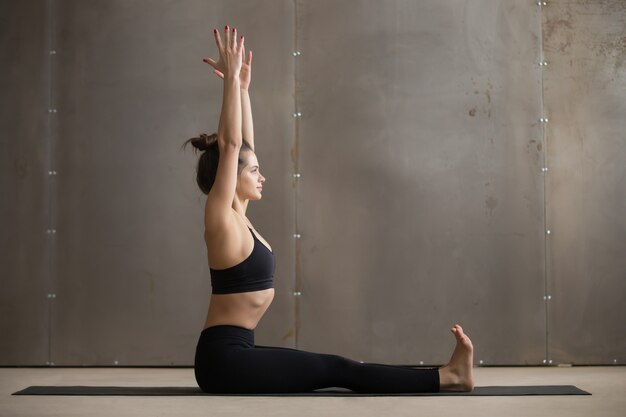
(232, 78)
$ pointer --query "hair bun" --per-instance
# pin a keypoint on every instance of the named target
(204, 142)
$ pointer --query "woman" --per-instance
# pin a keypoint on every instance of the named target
(242, 264)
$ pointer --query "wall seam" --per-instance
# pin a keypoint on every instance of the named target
(48, 165)
(545, 171)
(295, 184)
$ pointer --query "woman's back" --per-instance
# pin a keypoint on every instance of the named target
(242, 288)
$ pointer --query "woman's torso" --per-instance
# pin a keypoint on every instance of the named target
(239, 309)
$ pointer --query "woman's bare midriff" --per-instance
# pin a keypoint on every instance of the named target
(241, 309)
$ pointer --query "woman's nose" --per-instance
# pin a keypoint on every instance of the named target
(262, 179)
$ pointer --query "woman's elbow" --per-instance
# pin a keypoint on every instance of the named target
(232, 141)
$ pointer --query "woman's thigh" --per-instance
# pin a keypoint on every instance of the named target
(268, 369)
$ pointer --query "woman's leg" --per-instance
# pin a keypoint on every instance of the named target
(267, 369)
(457, 375)
(243, 368)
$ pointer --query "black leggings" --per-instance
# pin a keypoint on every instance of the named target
(227, 361)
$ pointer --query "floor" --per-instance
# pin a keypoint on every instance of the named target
(607, 384)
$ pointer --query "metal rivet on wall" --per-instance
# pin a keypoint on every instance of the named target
(53, 52)
(52, 110)
(543, 64)
(51, 231)
(480, 361)
(298, 175)
(297, 53)
(297, 114)
(297, 235)
(544, 169)
(297, 293)
(543, 120)
(542, 3)
(421, 362)
(116, 363)
(548, 232)
(52, 172)
(547, 297)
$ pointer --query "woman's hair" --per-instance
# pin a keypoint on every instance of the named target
(209, 159)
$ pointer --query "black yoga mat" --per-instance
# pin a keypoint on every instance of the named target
(327, 392)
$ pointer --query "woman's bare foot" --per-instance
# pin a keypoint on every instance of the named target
(457, 374)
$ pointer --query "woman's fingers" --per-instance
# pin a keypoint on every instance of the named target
(218, 40)
(249, 57)
(226, 37)
(230, 39)
(210, 62)
(241, 47)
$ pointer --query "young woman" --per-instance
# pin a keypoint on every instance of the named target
(242, 265)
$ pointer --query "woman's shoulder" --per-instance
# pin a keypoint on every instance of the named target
(230, 227)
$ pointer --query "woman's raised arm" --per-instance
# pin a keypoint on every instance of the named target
(245, 77)
(229, 135)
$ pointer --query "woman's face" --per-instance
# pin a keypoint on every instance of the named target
(250, 181)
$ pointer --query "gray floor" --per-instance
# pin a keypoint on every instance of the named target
(607, 384)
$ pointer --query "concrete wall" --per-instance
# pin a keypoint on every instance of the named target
(430, 189)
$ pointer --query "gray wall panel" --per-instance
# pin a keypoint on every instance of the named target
(585, 83)
(421, 197)
(133, 282)
(421, 201)
(24, 183)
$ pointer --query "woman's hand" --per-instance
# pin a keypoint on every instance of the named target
(231, 54)
(245, 75)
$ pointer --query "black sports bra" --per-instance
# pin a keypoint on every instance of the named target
(255, 273)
